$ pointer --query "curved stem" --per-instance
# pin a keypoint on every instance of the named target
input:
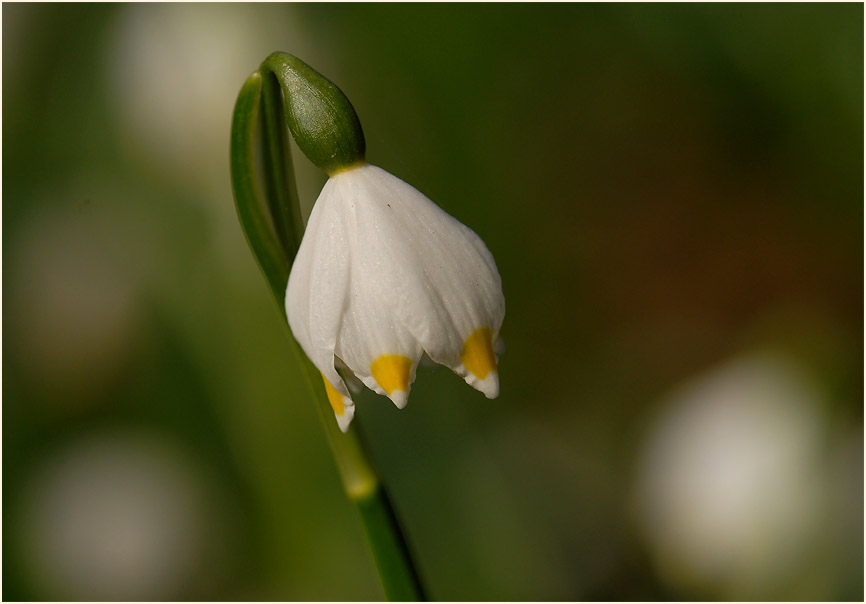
(278, 170)
(271, 220)
(253, 213)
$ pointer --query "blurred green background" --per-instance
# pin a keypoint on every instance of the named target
(674, 197)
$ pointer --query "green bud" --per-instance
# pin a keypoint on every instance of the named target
(320, 117)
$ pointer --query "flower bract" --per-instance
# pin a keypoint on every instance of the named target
(383, 276)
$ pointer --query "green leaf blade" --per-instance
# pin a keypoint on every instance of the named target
(252, 208)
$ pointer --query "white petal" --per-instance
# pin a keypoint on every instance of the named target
(489, 386)
(317, 287)
(427, 272)
(372, 342)
(345, 419)
(384, 275)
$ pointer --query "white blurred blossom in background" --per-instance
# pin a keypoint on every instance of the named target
(731, 495)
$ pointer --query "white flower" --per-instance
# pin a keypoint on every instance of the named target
(382, 276)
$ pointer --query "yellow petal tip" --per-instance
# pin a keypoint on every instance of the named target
(344, 409)
(477, 354)
(392, 373)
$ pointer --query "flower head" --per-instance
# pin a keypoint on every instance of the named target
(384, 276)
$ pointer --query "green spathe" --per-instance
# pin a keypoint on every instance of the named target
(322, 120)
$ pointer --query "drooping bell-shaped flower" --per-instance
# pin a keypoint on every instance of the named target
(384, 276)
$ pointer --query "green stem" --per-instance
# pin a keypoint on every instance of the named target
(364, 488)
(272, 223)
